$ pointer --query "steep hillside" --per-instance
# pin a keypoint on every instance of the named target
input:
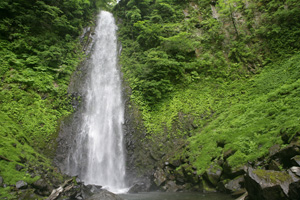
(215, 84)
(39, 50)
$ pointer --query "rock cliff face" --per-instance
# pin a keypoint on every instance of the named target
(139, 163)
(70, 125)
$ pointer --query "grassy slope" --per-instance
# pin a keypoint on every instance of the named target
(247, 115)
(233, 93)
(39, 50)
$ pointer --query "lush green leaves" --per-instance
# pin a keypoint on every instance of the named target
(39, 49)
(204, 72)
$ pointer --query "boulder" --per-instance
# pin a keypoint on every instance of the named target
(40, 184)
(172, 187)
(175, 163)
(19, 167)
(137, 187)
(296, 160)
(159, 177)
(169, 173)
(42, 188)
(274, 165)
(81, 191)
(78, 180)
(179, 176)
(232, 172)
(274, 149)
(93, 188)
(213, 174)
(296, 170)
(228, 153)
(207, 187)
(104, 195)
(190, 175)
(286, 154)
(27, 194)
(235, 184)
(287, 139)
(231, 186)
(267, 184)
(21, 185)
(294, 190)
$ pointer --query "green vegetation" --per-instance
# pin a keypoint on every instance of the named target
(273, 176)
(39, 50)
(212, 76)
(207, 76)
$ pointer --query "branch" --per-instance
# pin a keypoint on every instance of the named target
(3, 158)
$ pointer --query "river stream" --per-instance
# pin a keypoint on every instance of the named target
(175, 196)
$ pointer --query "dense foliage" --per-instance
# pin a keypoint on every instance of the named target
(39, 50)
(208, 76)
(211, 76)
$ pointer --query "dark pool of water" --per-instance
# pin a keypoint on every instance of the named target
(175, 196)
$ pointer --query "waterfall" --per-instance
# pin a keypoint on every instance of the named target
(97, 155)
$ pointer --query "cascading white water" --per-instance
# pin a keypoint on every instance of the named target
(97, 156)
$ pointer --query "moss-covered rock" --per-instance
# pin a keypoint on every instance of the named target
(213, 174)
(207, 187)
(159, 177)
(267, 184)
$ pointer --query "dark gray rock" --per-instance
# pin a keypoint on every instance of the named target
(267, 184)
(19, 167)
(42, 188)
(228, 153)
(137, 187)
(78, 180)
(40, 184)
(179, 176)
(296, 170)
(171, 186)
(89, 190)
(190, 175)
(213, 174)
(27, 194)
(286, 154)
(207, 187)
(274, 149)
(174, 163)
(274, 165)
(231, 186)
(294, 190)
(80, 191)
(21, 185)
(230, 172)
(104, 195)
(159, 177)
(296, 160)
(287, 139)
(235, 184)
